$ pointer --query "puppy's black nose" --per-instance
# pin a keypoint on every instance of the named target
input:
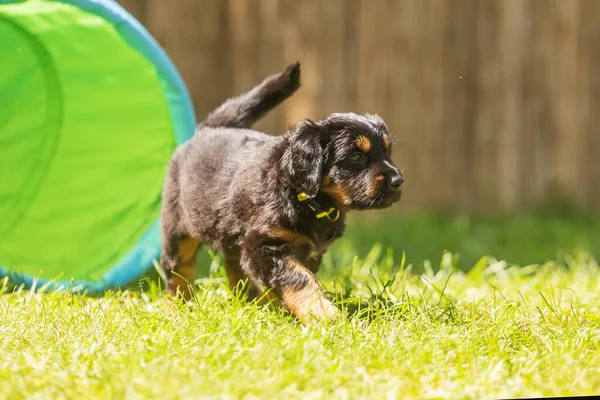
(396, 181)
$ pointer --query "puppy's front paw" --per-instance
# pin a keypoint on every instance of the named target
(311, 306)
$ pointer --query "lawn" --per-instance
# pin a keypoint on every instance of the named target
(458, 327)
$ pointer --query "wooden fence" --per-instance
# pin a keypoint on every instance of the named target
(497, 102)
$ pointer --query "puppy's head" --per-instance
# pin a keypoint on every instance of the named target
(347, 157)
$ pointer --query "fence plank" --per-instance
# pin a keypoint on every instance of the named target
(495, 100)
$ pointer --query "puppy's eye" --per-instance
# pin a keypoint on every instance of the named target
(357, 157)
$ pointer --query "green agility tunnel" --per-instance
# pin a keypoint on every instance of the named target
(91, 109)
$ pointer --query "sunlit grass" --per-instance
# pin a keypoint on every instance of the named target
(495, 331)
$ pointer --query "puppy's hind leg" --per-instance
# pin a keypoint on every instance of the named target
(178, 260)
(236, 276)
(233, 269)
(179, 250)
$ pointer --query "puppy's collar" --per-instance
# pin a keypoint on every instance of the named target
(332, 214)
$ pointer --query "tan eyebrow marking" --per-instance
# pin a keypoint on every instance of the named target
(363, 143)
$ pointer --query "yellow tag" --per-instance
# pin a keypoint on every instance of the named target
(302, 196)
(337, 215)
(328, 214)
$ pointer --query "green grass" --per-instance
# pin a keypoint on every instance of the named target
(429, 330)
(529, 238)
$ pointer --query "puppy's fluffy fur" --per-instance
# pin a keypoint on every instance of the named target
(237, 190)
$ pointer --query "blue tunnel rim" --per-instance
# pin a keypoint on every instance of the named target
(141, 257)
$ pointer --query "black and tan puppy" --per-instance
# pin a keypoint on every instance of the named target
(272, 204)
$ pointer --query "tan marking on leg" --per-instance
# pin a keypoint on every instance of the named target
(292, 237)
(233, 270)
(188, 248)
(297, 241)
(182, 277)
(235, 276)
(363, 143)
(308, 302)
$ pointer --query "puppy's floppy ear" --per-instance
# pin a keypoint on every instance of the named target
(302, 161)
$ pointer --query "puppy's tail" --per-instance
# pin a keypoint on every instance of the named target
(244, 110)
